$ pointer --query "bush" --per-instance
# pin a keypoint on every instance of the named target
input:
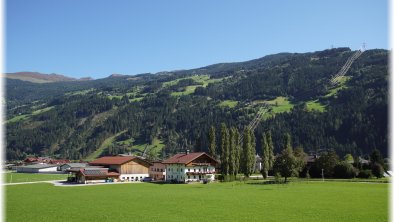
(344, 170)
(365, 174)
(377, 170)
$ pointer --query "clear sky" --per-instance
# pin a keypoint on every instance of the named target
(96, 38)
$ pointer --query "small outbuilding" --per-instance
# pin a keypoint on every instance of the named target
(67, 166)
(37, 168)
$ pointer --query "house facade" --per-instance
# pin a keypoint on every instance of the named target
(157, 171)
(190, 167)
(129, 168)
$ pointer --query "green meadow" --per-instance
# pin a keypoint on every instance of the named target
(234, 201)
(31, 177)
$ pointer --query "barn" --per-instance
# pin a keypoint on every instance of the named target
(37, 168)
(130, 168)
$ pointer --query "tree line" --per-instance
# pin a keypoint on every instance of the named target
(240, 158)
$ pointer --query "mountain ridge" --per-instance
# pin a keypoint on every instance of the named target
(173, 111)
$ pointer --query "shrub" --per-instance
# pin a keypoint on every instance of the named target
(344, 170)
(377, 170)
(365, 174)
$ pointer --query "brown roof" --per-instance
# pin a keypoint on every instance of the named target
(97, 172)
(117, 160)
(112, 160)
(186, 158)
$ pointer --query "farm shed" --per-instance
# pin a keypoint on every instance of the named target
(37, 168)
(92, 175)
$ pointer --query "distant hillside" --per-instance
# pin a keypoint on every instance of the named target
(168, 112)
(36, 77)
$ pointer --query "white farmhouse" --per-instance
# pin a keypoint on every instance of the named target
(190, 167)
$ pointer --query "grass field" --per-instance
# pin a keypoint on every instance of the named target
(107, 142)
(229, 103)
(280, 104)
(315, 105)
(31, 177)
(235, 201)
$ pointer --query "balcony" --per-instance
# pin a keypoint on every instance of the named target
(200, 173)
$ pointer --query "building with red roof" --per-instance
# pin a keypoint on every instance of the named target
(190, 167)
(129, 168)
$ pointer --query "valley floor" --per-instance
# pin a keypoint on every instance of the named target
(234, 201)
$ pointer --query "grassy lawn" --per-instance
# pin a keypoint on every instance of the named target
(235, 201)
(341, 85)
(156, 147)
(27, 116)
(203, 80)
(315, 105)
(18, 118)
(31, 177)
(280, 104)
(39, 111)
(229, 103)
(103, 146)
(188, 90)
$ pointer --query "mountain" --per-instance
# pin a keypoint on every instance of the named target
(36, 77)
(164, 113)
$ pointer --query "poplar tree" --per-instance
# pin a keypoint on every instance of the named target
(237, 152)
(224, 148)
(264, 156)
(252, 151)
(247, 155)
(232, 152)
(270, 151)
(212, 142)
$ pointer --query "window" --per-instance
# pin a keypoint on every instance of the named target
(188, 170)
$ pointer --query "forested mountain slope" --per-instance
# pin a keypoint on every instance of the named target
(168, 112)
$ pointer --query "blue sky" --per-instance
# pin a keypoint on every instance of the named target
(98, 38)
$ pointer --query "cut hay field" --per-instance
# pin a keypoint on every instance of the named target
(235, 201)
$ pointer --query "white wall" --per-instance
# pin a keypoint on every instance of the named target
(49, 169)
(179, 172)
